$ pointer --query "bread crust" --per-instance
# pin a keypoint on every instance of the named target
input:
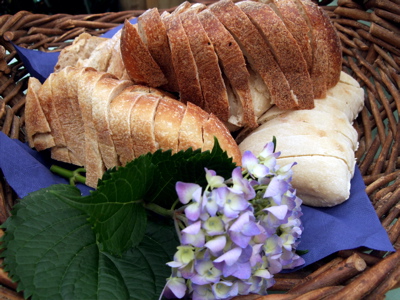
(256, 51)
(191, 130)
(233, 66)
(319, 45)
(142, 124)
(284, 48)
(183, 61)
(210, 76)
(214, 128)
(139, 64)
(120, 124)
(94, 163)
(38, 130)
(105, 90)
(154, 34)
(167, 123)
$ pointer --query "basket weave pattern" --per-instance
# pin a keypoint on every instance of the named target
(370, 36)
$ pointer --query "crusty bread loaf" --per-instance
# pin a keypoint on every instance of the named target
(320, 141)
(140, 65)
(121, 121)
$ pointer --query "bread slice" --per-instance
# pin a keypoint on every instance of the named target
(233, 66)
(183, 61)
(116, 66)
(289, 13)
(167, 123)
(38, 131)
(93, 161)
(191, 130)
(46, 99)
(214, 128)
(334, 50)
(139, 64)
(105, 90)
(120, 124)
(142, 124)
(210, 76)
(319, 45)
(284, 49)
(80, 49)
(154, 35)
(256, 51)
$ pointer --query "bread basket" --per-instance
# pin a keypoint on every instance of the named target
(370, 36)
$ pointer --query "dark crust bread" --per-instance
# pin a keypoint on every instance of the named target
(183, 61)
(154, 34)
(256, 51)
(232, 63)
(319, 45)
(284, 48)
(211, 81)
(139, 63)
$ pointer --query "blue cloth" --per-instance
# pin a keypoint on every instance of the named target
(349, 225)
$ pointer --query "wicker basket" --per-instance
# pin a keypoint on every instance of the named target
(370, 35)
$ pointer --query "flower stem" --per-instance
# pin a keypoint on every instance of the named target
(73, 176)
(159, 210)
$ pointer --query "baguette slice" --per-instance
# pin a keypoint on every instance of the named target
(142, 124)
(191, 130)
(284, 48)
(167, 123)
(256, 51)
(93, 162)
(154, 35)
(183, 61)
(120, 124)
(233, 66)
(38, 130)
(105, 90)
(139, 64)
(210, 76)
(59, 152)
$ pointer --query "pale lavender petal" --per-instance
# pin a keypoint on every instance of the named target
(276, 187)
(193, 211)
(230, 257)
(217, 244)
(185, 191)
(280, 212)
(175, 287)
(243, 271)
(213, 179)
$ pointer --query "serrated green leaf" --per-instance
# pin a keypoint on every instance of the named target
(51, 250)
(116, 208)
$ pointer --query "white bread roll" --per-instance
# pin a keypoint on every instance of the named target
(321, 141)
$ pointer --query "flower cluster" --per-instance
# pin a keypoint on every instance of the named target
(236, 233)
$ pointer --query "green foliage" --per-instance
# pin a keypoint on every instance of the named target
(61, 245)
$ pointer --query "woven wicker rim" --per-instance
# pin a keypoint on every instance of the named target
(370, 36)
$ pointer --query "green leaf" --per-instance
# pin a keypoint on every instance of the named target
(51, 250)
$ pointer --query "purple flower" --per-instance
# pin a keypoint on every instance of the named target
(214, 226)
(186, 192)
(216, 245)
(224, 290)
(205, 273)
(276, 189)
(213, 180)
(232, 202)
(202, 292)
(242, 185)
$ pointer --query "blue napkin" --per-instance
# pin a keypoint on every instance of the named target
(349, 225)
